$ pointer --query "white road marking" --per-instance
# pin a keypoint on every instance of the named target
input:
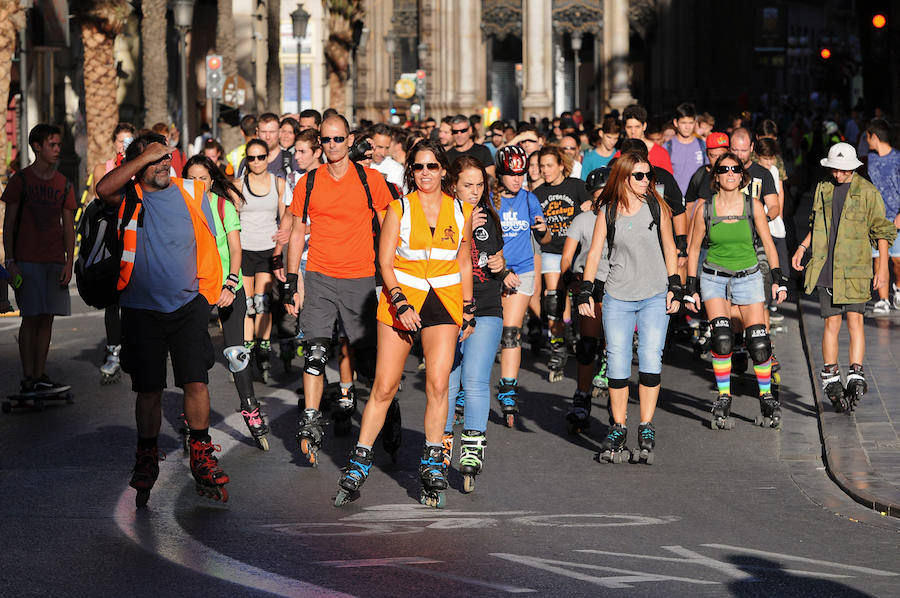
(800, 559)
(397, 560)
(605, 520)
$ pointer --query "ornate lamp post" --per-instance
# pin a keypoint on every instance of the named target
(390, 44)
(183, 11)
(299, 24)
(576, 50)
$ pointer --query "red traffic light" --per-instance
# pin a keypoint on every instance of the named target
(213, 63)
(879, 21)
(420, 74)
(825, 53)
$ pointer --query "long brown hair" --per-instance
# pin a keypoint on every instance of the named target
(426, 145)
(561, 158)
(466, 162)
(615, 193)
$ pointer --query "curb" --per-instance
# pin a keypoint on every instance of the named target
(831, 447)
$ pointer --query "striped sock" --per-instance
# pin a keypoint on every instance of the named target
(722, 369)
(764, 375)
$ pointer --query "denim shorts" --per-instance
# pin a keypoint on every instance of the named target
(745, 290)
(893, 250)
(619, 321)
(550, 262)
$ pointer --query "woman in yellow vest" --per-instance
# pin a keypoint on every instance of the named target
(425, 261)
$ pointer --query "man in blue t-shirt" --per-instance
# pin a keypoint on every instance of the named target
(686, 151)
(884, 171)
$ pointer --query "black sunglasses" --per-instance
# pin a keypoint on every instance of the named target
(458, 131)
(736, 168)
(433, 166)
(260, 157)
(639, 176)
(339, 139)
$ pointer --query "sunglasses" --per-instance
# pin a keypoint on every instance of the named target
(459, 131)
(640, 176)
(529, 141)
(339, 139)
(259, 157)
(432, 166)
(737, 169)
(567, 148)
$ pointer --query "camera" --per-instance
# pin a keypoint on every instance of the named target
(361, 150)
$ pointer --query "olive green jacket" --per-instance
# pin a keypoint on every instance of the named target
(862, 224)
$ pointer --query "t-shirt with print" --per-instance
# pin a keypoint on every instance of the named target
(39, 238)
(477, 151)
(486, 241)
(517, 216)
(686, 158)
(232, 223)
(340, 223)
(560, 204)
(885, 174)
(582, 231)
(667, 187)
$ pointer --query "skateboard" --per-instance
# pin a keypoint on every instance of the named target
(35, 400)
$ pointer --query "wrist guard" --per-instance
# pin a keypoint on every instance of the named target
(779, 279)
(691, 286)
(584, 292)
(676, 288)
(289, 287)
(277, 261)
(469, 307)
(681, 245)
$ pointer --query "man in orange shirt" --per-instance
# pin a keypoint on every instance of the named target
(340, 267)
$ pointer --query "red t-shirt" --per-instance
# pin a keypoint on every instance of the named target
(40, 235)
(658, 156)
(340, 231)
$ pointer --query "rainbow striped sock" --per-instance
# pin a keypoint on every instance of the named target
(722, 369)
(764, 375)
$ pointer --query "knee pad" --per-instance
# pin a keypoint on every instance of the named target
(586, 349)
(721, 338)
(759, 347)
(316, 355)
(617, 382)
(238, 358)
(511, 337)
(261, 303)
(553, 304)
(251, 307)
(649, 380)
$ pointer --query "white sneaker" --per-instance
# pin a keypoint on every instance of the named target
(881, 307)
(896, 296)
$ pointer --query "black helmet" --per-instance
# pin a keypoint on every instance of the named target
(597, 179)
(511, 160)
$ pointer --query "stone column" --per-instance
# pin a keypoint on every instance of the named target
(537, 49)
(469, 17)
(617, 53)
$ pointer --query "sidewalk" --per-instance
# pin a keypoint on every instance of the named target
(862, 450)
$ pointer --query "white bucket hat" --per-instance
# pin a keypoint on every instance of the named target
(841, 156)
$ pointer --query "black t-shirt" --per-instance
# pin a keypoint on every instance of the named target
(826, 276)
(668, 189)
(560, 204)
(698, 179)
(761, 183)
(477, 151)
(486, 241)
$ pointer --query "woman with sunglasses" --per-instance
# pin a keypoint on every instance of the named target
(426, 264)
(642, 287)
(224, 198)
(729, 225)
(260, 214)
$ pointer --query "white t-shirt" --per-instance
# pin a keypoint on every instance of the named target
(576, 169)
(776, 226)
(392, 171)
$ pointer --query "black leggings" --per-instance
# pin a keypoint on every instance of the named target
(232, 320)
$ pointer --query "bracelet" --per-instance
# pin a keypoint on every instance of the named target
(469, 308)
(228, 288)
(398, 297)
(805, 248)
(233, 278)
(403, 309)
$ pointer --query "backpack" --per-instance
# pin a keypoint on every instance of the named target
(709, 220)
(100, 250)
(611, 220)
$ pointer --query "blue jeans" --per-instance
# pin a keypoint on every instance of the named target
(619, 319)
(472, 366)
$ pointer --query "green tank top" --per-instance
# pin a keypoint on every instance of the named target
(731, 243)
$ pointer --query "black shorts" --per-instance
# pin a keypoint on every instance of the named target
(433, 312)
(256, 262)
(828, 308)
(148, 337)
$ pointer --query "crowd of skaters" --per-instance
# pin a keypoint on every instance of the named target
(461, 240)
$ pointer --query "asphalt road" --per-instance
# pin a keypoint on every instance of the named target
(745, 512)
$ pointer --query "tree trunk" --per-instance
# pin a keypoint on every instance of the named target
(101, 110)
(155, 65)
(337, 51)
(273, 66)
(12, 19)
(227, 48)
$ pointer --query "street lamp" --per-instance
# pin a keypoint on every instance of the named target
(390, 44)
(299, 24)
(183, 11)
(576, 50)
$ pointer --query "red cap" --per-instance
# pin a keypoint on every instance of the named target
(714, 140)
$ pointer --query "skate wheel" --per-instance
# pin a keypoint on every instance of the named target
(435, 500)
(510, 420)
(649, 459)
(468, 483)
(141, 498)
(6, 407)
(776, 377)
(729, 424)
(263, 443)
(222, 494)
(758, 420)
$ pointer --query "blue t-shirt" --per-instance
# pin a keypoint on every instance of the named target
(885, 174)
(164, 278)
(592, 161)
(686, 159)
(517, 215)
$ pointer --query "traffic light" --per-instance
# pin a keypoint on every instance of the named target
(215, 77)
(825, 53)
(879, 21)
(420, 82)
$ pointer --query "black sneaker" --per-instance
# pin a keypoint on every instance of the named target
(26, 386)
(45, 384)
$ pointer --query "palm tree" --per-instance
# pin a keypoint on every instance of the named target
(342, 14)
(273, 66)
(12, 20)
(227, 48)
(100, 21)
(155, 64)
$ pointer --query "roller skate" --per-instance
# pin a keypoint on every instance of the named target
(354, 475)
(209, 478)
(343, 410)
(721, 414)
(646, 443)
(447, 449)
(432, 477)
(702, 339)
(770, 411)
(571, 337)
(856, 386)
(460, 407)
(535, 338)
(263, 350)
(471, 457)
(600, 383)
(508, 395)
(559, 354)
(310, 435)
(144, 474)
(578, 419)
(185, 432)
(392, 432)
(111, 371)
(613, 449)
(256, 422)
(834, 388)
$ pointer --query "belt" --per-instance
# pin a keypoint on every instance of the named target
(730, 273)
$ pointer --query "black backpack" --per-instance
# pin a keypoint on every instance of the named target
(100, 250)
(709, 220)
(611, 222)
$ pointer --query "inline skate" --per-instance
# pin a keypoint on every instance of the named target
(559, 354)
(460, 407)
(613, 449)
(145, 472)
(209, 478)
(856, 386)
(471, 458)
(256, 422)
(343, 410)
(834, 388)
(310, 435)
(263, 351)
(646, 443)
(721, 414)
(354, 475)
(508, 396)
(392, 432)
(578, 419)
(111, 370)
(702, 339)
(600, 383)
(433, 477)
(770, 411)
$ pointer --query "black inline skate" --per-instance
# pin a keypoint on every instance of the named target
(343, 410)
(702, 339)
(111, 370)
(354, 475)
(559, 354)
(613, 449)
(209, 478)
(392, 432)
(600, 383)
(145, 472)
(263, 350)
(433, 477)
(459, 407)
(535, 337)
(256, 422)
(721, 414)
(834, 388)
(578, 419)
(508, 396)
(471, 457)
(646, 443)
(770, 411)
(310, 435)
(856, 386)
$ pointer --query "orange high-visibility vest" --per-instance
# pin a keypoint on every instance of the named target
(424, 261)
(209, 265)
